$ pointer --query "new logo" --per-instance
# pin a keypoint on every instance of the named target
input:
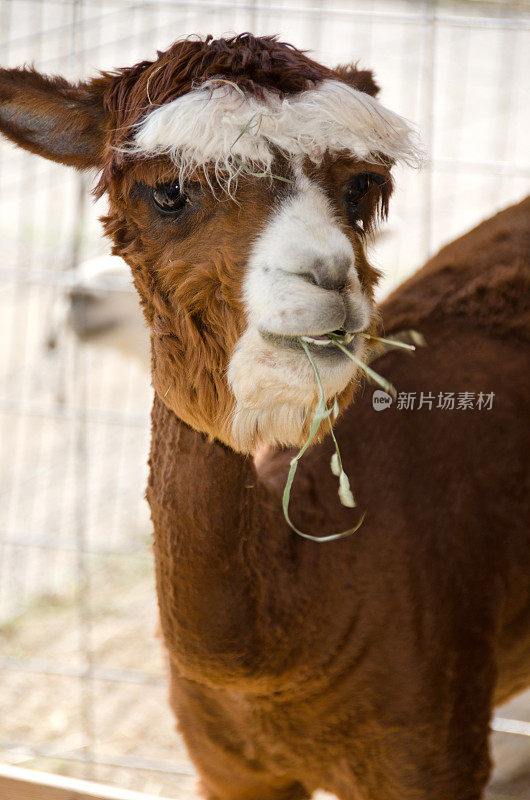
(381, 400)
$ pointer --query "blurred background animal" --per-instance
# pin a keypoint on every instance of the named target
(101, 308)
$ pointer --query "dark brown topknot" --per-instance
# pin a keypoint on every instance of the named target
(255, 64)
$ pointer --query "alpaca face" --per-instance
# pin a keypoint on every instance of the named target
(254, 223)
(228, 285)
(242, 180)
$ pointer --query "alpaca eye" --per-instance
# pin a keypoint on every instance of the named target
(169, 198)
(356, 190)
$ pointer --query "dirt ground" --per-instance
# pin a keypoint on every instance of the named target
(129, 720)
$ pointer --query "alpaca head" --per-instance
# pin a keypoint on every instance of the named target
(243, 179)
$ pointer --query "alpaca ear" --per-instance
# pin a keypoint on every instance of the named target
(360, 79)
(53, 118)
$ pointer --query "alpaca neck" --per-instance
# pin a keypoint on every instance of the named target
(203, 498)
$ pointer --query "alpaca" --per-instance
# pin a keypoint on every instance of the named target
(242, 179)
(100, 307)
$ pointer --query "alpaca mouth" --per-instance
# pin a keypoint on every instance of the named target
(318, 344)
(340, 335)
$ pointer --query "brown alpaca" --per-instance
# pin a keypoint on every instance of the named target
(367, 666)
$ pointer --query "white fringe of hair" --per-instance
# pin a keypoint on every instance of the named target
(216, 126)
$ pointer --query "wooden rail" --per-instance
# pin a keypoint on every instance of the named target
(27, 784)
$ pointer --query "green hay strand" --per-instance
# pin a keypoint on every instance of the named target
(322, 412)
(408, 340)
(370, 373)
(405, 340)
(388, 342)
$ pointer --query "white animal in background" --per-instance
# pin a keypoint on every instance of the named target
(101, 307)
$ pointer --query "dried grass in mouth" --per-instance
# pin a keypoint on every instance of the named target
(405, 340)
(322, 412)
(370, 373)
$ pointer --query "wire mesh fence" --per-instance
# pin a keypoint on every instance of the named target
(83, 688)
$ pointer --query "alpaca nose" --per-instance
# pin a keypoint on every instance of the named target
(329, 273)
